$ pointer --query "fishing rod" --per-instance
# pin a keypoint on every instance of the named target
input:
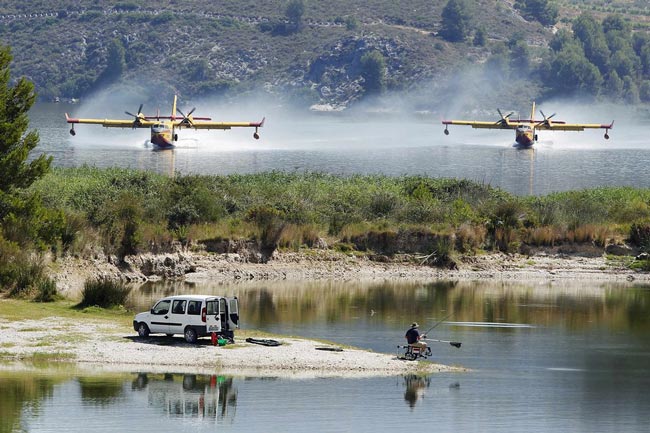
(456, 344)
(439, 322)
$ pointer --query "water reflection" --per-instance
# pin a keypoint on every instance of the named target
(100, 391)
(21, 394)
(415, 387)
(189, 395)
(572, 305)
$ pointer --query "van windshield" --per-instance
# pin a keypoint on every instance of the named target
(161, 307)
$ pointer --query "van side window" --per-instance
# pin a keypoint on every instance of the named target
(161, 308)
(179, 306)
(194, 308)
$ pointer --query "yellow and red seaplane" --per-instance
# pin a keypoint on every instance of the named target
(163, 129)
(526, 129)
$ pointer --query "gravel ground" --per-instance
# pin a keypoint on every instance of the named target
(103, 346)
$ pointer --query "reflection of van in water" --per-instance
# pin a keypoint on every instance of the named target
(193, 316)
(189, 395)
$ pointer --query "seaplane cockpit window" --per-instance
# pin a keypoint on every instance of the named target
(523, 127)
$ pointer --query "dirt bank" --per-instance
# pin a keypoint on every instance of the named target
(102, 346)
(71, 273)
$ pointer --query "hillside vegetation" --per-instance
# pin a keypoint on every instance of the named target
(318, 53)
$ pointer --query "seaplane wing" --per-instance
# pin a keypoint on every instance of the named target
(561, 126)
(140, 122)
(483, 125)
(195, 123)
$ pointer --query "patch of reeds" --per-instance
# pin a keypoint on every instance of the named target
(104, 292)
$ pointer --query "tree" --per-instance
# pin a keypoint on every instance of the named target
(614, 86)
(588, 31)
(480, 37)
(456, 17)
(15, 142)
(115, 64)
(542, 11)
(294, 11)
(373, 70)
(571, 72)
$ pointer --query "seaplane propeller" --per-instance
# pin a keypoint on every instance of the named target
(504, 119)
(187, 119)
(547, 120)
(137, 121)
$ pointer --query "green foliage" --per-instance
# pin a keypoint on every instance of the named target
(22, 217)
(134, 209)
(456, 19)
(46, 291)
(373, 70)
(115, 65)
(271, 224)
(543, 11)
(294, 12)
(640, 235)
(103, 292)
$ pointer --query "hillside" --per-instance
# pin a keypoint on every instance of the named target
(228, 48)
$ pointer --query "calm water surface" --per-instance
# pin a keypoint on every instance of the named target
(545, 357)
(386, 145)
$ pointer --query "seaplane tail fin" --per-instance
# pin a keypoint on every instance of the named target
(532, 113)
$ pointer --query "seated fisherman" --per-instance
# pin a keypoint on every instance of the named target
(414, 338)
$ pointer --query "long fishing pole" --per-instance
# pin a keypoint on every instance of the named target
(439, 322)
(456, 344)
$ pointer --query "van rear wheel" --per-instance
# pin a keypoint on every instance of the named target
(190, 335)
(143, 329)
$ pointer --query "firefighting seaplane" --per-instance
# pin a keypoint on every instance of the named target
(163, 128)
(526, 129)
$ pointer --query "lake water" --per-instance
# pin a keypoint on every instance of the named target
(546, 357)
(391, 145)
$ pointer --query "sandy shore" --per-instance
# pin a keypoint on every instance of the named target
(101, 346)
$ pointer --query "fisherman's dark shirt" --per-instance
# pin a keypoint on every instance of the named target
(412, 335)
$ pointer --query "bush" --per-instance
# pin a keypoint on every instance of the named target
(46, 291)
(104, 292)
(640, 235)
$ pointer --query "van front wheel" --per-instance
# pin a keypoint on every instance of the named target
(190, 335)
(143, 329)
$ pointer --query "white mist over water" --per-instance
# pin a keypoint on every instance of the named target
(376, 137)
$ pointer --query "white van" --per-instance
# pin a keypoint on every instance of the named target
(193, 316)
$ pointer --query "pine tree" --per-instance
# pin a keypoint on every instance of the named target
(456, 17)
(15, 142)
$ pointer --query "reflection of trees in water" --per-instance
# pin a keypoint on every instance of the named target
(100, 391)
(415, 387)
(21, 395)
(190, 395)
(572, 304)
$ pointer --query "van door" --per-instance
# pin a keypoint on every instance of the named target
(233, 313)
(213, 316)
(223, 309)
(160, 317)
(177, 316)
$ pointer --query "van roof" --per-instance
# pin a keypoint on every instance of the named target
(193, 297)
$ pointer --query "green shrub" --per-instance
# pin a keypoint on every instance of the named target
(640, 235)
(103, 292)
(46, 291)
